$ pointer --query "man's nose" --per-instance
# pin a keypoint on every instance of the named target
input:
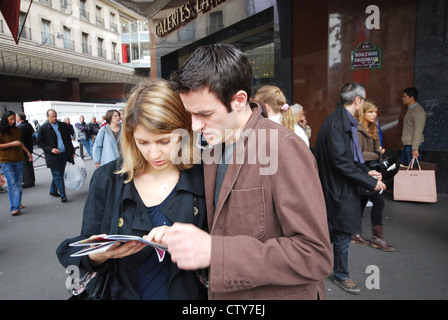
(196, 124)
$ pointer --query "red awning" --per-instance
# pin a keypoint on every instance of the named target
(11, 12)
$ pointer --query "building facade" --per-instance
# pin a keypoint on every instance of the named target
(310, 49)
(69, 50)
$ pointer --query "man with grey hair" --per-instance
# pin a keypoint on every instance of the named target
(343, 174)
(301, 119)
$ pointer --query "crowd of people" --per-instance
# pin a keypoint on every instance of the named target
(220, 220)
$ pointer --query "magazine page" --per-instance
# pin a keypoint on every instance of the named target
(102, 243)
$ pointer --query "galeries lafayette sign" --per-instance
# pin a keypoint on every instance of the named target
(184, 14)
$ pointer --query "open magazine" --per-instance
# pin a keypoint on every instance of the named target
(99, 244)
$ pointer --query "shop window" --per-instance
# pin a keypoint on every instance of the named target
(144, 51)
(143, 26)
(85, 43)
(215, 23)
(68, 43)
(101, 51)
(187, 32)
(46, 35)
(124, 27)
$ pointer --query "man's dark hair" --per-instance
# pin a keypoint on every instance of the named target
(22, 116)
(411, 92)
(221, 68)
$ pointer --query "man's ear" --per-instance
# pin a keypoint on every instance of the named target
(240, 99)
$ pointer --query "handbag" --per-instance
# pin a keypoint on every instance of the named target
(415, 185)
(92, 286)
(387, 166)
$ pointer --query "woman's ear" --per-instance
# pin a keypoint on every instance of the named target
(267, 107)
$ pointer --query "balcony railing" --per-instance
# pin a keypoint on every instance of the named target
(86, 49)
(48, 39)
(46, 2)
(26, 33)
(66, 7)
(115, 56)
(113, 27)
(69, 44)
(101, 53)
(99, 21)
(84, 15)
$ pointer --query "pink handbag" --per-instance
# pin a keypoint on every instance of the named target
(415, 185)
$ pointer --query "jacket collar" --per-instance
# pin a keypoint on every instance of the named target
(345, 119)
(192, 180)
(189, 180)
(257, 112)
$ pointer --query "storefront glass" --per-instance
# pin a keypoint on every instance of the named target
(251, 26)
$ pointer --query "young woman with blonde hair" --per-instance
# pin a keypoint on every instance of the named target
(372, 152)
(278, 110)
(148, 188)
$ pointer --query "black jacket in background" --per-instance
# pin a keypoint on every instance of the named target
(341, 177)
(27, 134)
(48, 141)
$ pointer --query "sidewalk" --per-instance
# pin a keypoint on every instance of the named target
(417, 270)
(29, 269)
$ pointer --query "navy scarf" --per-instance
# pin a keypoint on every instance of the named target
(356, 147)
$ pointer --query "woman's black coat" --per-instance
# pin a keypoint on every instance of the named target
(111, 203)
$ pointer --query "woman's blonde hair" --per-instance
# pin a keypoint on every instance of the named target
(371, 127)
(275, 98)
(159, 109)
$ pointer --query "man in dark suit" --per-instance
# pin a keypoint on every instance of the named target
(27, 138)
(54, 139)
(343, 174)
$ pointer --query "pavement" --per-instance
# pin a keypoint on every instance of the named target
(30, 270)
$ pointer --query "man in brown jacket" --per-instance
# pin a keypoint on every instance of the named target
(266, 212)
